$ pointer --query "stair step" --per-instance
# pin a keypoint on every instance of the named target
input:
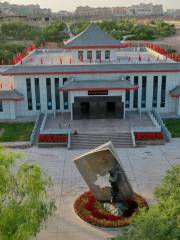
(92, 140)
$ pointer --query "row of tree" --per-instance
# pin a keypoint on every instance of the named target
(14, 37)
(130, 28)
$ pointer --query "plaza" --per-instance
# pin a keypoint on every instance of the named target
(144, 166)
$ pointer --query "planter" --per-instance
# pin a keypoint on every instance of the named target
(92, 211)
(148, 136)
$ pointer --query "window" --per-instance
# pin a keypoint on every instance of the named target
(80, 55)
(29, 93)
(128, 94)
(37, 93)
(98, 55)
(127, 98)
(89, 54)
(64, 80)
(65, 96)
(135, 98)
(49, 98)
(155, 91)
(57, 96)
(143, 98)
(163, 91)
(107, 55)
(1, 106)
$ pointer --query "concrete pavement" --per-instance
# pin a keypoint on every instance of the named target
(145, 167)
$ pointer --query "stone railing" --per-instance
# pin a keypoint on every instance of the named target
(133, 137)
(156, 118)
(34, 129)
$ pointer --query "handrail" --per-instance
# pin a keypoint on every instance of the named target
(133, 137)
(164, 129)
(69, 140)
(34, 129)
(43, 122)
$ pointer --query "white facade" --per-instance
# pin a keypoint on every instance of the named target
(12, 110)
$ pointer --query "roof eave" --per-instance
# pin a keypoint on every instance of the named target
(95, 47)
(97, 89)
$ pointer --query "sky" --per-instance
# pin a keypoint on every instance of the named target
(70, 5)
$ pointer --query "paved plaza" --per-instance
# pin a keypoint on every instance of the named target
(145, 168)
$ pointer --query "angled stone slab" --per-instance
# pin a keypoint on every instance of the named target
(101, 162)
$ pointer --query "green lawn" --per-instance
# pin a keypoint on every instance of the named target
(14, 132)
(173, 126)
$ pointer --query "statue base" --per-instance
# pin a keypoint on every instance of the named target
(106, 214)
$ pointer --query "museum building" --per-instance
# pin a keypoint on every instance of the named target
(92, 76)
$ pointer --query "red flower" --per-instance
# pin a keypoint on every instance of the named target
(41, 138)
(160, 136)
(55, 138)
(49, 138)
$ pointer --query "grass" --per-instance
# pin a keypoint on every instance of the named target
(15, 132)
(173, 126)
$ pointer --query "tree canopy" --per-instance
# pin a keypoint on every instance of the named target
(130, 28)
(19, 31)
(162, 220)
(24, 203)
(54, 32)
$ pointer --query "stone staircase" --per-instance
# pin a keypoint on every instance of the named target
(92, 140)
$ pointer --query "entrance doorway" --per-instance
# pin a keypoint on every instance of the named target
(98, 107)
(111, 107)
(85, 107)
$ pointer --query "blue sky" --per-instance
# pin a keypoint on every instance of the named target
(57, 5)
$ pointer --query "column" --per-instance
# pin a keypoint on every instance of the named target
(178, 106)
(43, 95)
(139, 92)
(149, 92)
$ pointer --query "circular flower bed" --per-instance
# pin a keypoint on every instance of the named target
(92, 211)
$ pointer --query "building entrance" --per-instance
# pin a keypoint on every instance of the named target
(97, 107)
(111, 107)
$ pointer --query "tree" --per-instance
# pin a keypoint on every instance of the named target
(24, 203)
(55, 32)
(162, 220)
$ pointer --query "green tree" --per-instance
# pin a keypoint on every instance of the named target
(19, 31)
(24, 203)
(54, 32)
(162, 220)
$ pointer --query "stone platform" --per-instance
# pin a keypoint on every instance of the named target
(133, 119)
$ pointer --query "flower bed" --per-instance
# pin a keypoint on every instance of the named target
(149, 136)
(53, 138)
(92, 211)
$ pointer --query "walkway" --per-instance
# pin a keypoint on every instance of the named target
(145, 168)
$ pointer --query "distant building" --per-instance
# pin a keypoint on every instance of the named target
(173, 12)
(13, 18)
(136, 10)
(146, 10)
(120, 11)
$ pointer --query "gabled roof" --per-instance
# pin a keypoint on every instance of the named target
(175, 92)
(10, 95)
(93, 36)
(84, 85)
